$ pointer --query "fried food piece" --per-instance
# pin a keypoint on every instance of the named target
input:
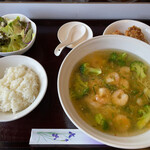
(135, 32)
(117, 32)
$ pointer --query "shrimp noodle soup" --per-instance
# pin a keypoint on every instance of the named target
(111, 91)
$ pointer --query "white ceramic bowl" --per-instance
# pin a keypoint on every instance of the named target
(33, 25)
(127, 44)
(123, 25)
(15, 60)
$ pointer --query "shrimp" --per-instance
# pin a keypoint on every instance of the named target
(121, 123)
(119, 98)
(94, 103)
(103, 97)
(139, 101)
(124, 83)
(113, 78)
(125, 72)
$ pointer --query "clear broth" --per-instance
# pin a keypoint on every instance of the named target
(87, 110)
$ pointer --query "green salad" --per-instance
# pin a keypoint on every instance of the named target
(14, 34)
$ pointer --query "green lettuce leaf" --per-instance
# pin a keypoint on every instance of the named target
(15, 44)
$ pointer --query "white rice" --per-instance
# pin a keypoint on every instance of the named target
(18, 88)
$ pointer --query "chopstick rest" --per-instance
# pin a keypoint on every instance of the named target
(60, 137)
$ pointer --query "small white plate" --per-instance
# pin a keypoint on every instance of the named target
(64, 30)
(123, 25)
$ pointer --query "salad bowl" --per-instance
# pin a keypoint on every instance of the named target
(28, 43)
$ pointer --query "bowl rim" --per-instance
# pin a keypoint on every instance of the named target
(41, 93)
(33, 38)
(69, 114)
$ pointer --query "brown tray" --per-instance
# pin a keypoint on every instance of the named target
(49, 113)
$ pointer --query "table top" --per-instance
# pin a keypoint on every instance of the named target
(49, 113)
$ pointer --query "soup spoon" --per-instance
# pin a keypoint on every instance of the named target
(75, 35)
